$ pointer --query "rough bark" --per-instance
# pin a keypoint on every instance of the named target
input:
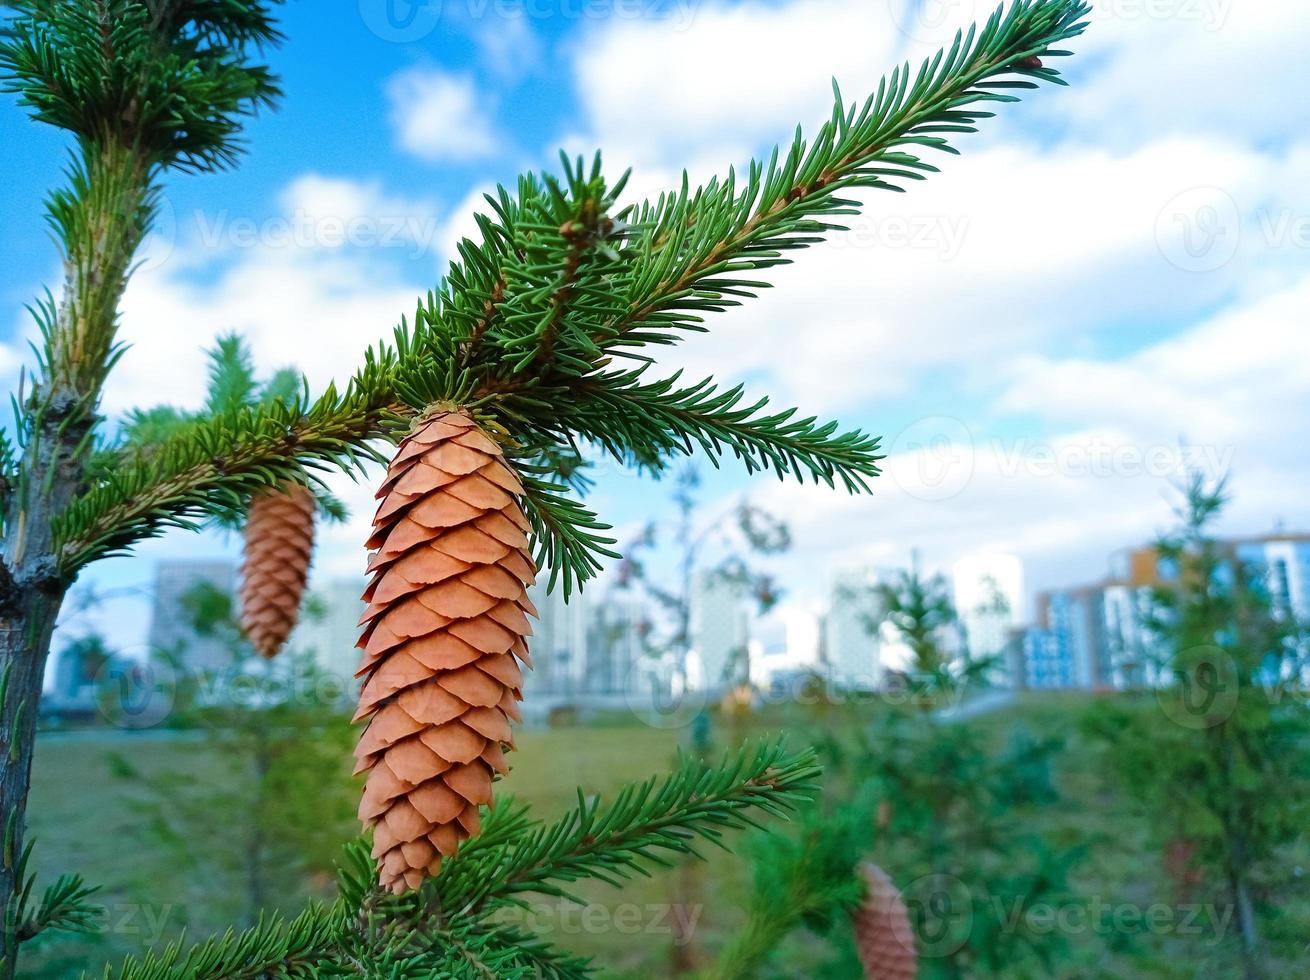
(102, 229)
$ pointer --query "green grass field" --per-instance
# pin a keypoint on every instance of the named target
(84, 820)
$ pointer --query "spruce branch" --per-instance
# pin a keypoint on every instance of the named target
(694, 245)
(647, 823)
(214, 464)
(521, 330)
(450, 928)
(805, 876)
(619, 408)
(63, 906)
(171, 79)
(273, 947)
(566, 532)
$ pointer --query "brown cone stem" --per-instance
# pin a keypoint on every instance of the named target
(444, 626)
(883, 937)
(279, 546)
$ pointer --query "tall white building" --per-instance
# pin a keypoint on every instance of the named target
(558, 643)
(988, 601)
(331, 635)
(171, 622)
(614, 646)
(851, 649)
(720, 634)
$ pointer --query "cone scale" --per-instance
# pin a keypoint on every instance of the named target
(883, 937)
(443, 638)
(279, 543)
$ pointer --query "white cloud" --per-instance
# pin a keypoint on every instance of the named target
(439, 116)
(508, 46)
(10, 363)
(1235, 388)
(1020, 246)
(1003, 254)
(334, 212)
(1151, 68)
(316, 312)
(655, 92)
(285, 281)
(463, 221)
(1238, 383)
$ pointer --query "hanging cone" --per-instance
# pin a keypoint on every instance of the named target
(883, 936)
(279, 545)
(442, 631)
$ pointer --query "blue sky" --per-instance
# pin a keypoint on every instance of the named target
(1107, 270)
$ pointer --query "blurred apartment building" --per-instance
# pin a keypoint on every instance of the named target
(850, 649)
(989, 603)
(171, 626)
(720, 634)
(329, 632)
(1090, 636)
(594, 646)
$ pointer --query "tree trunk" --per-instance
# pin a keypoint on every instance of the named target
(1247, 928)
(24, 641)
(32, 595)
(100, 222)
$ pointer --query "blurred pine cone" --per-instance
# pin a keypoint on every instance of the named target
(278, 548)
(883, 936)
(445, 622)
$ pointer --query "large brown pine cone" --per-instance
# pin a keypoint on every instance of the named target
(279, 546)
(883, 936)
(445, 622)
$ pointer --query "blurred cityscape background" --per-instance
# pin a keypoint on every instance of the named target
(594, 650)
